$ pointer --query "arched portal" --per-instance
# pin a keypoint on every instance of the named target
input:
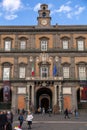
(5, 104)
(44, 98)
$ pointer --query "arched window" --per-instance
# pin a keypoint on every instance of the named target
(6, 71)
(22, 70)
(7, 44)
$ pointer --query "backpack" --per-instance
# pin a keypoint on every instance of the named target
(20, 118)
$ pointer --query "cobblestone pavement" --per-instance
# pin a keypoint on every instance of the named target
(55, 122)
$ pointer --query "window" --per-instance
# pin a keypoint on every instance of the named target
(6, 73)
(44, 14)
(7, 45)
(80, 45)
(22, 72)
(44, 45)
(82, 73)
(66, 72)
(23, 45)
(65, 44)
(44, 72)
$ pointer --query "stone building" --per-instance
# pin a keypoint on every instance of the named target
(43, 65)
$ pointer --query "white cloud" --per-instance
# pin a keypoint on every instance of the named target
(79, 10)
(11, 17)
(11, 5)
(9, 8)
(37, 7)
(64, 8)
(68, 10)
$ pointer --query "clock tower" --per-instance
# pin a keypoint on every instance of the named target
(44, 16)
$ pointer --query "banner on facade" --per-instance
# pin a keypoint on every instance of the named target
(6, 91)
(84, 94)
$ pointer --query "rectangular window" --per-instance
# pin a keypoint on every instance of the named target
(44, 45)
(23, 45)
(80, 45)
(44, 72)
(66, 72)
(22, 72)
(6, 73)
(65, 44)
(7, 45)
(82, 73)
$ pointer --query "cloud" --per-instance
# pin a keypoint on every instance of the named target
(11, 5)
(37, 7)
(68, 10)
(64, 8)
(79, 10)
(11, 17)
(10, 8)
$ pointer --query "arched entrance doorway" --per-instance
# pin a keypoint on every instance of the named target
(5, 104)
(44, 98)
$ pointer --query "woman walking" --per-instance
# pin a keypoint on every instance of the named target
(29, 119)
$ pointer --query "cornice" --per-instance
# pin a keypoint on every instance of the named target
(50, 29)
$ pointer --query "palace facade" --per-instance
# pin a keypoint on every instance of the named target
(43, 65)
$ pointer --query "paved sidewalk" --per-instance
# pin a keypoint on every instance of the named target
(55, 122)
(56, 117)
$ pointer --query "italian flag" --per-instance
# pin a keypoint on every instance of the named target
(32, 69)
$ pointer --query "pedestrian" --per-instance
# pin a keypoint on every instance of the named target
(66, 113)
(29, 119)
(9, 121)
(4, 120)
(76, 113)
(43, 110)
(21, 119)
(1, 123)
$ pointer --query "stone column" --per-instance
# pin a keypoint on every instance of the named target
(15, 67)
(60, 99)
(74, 97)
(16, 42)
(14, 99)
(55, 94)
(28, 72)
(72, 68)
(32, 98)
(28, 97)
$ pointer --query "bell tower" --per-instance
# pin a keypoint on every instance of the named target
(44, 18)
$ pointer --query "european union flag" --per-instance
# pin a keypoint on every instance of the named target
(54, 70)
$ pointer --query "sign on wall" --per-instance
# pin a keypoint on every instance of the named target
(67, 90)
(21, 90)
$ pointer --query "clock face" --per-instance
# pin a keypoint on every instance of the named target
(44, 22)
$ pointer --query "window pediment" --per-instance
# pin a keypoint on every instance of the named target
(23, 38)
(80, 38)
(43, 63)
(65, 38)
(7, 64)
(8, 38)
(81, 63)
(22, 64)
(66, 64)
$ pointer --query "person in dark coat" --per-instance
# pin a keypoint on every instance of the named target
(21, 119)
(4, 120)
(9, 121)
(1, 123)
(66, 113)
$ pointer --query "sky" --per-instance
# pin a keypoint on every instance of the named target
(25, 12)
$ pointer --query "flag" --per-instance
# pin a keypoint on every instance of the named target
(54, 70)
(32, 69)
